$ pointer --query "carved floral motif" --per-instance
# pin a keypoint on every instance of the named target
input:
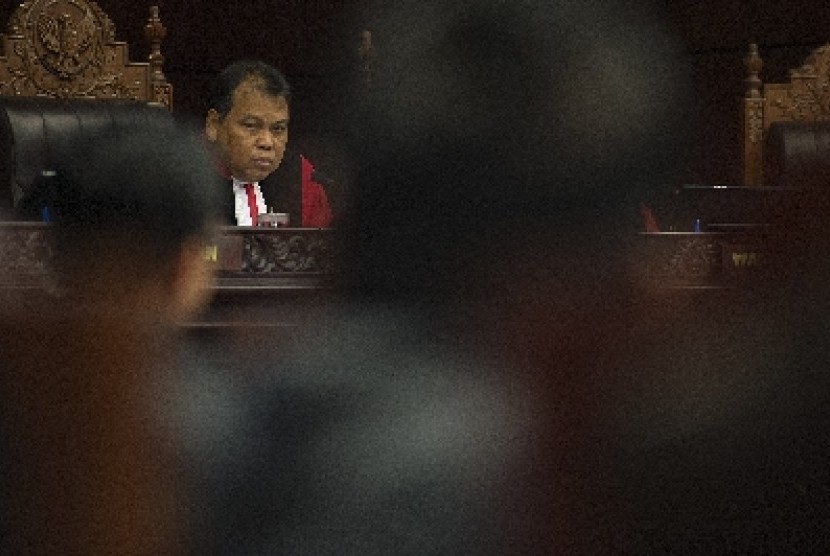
(286, 253)
(808, 96)
(693, 257)
(667, 259)
(26, 254)
(802, 105)
(67, 48)
(754, 120)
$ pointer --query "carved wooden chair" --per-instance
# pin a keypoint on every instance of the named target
(64, 78)
(67, 48)
(786, 126)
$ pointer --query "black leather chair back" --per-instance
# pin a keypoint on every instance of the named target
(37, 133)
(797, 154)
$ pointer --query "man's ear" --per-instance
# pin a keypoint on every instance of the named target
(212, 121)
(190, 285)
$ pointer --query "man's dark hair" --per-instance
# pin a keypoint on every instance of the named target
(268, 79)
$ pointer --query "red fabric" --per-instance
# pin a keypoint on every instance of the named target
(254, 211)
(315, 202)
(649, 221)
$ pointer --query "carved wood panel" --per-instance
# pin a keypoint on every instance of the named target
(67, 48)
(692, 257)
(276, 253)
(25, 255)
(265, 258)
(805, 97)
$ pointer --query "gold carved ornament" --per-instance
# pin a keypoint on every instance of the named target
(64, 48)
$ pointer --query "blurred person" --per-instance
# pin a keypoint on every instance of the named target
(454, 403)
(519, 139)
(86, 464)
(247, 125)
(509, 152)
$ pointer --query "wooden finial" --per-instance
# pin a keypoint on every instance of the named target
(753, 64)
(366, 57)
(155, 33)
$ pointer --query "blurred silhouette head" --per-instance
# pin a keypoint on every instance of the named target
(132, 216)
(507, 133)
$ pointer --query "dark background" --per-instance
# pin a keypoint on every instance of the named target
(315, 41)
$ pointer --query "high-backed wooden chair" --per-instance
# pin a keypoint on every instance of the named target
(786, 126)
(63, 79)
(67, 48)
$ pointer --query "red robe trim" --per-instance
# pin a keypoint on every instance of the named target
(315, 202)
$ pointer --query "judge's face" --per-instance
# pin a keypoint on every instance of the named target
(251, 138)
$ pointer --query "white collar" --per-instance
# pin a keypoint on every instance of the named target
(239, 184)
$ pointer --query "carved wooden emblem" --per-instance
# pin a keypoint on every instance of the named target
(66, 37)
(67, 48)
(63, 46)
